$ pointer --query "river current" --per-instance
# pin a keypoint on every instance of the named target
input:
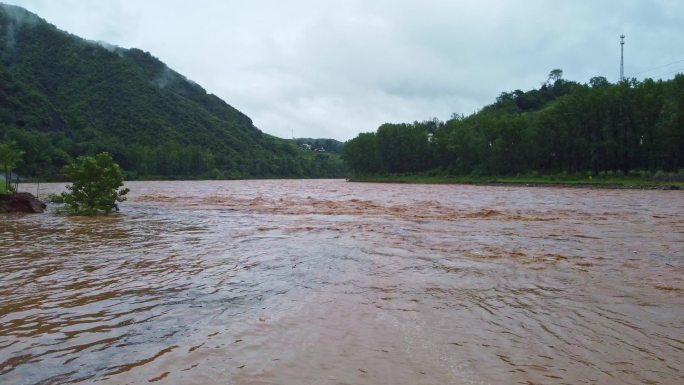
(330, 282)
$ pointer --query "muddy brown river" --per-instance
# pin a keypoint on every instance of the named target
(329, 282)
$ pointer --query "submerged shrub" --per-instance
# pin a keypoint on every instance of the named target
(96, 187)
(55, 198)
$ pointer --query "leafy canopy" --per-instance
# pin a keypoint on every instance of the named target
(562, 127)
(96, 187)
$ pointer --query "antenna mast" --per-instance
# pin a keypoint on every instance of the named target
(622, 57)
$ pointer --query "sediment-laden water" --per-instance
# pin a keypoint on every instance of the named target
(328, 282)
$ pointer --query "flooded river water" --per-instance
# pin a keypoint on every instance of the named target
(328, 282)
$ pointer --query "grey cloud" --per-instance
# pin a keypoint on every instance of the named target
(336, 68)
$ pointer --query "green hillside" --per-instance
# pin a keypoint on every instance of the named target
(62, 96)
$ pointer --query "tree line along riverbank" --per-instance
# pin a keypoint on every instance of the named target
(629, 133)
(640, 181)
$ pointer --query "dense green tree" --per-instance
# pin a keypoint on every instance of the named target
(97, 183)
(555, 75)
(598, 82)
(563, 126)
(10, 156)
(361, 154)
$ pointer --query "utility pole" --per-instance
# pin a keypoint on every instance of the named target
(622, 57)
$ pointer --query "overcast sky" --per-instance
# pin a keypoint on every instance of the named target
(334, 68)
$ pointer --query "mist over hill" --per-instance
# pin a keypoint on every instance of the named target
(62, 96)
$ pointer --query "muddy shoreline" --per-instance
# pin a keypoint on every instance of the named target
(526, 184)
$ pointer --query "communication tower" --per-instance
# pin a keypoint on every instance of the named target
(622, 57)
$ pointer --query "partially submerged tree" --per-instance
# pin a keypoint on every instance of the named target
(10, 156)
(96, 187)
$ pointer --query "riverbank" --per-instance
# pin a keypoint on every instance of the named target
(609, 182)
(21, 202)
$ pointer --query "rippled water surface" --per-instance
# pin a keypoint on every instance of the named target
(328, 282)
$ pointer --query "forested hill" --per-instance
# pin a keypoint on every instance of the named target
(62, 96)
(562, 127)
(322, 144)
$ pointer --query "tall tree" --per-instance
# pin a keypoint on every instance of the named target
(10, 156)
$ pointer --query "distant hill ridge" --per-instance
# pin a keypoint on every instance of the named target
(62, 96)
(323, 144)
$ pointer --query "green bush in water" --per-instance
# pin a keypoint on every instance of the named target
(96, 187)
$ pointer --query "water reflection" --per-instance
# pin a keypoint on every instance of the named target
(331, 282)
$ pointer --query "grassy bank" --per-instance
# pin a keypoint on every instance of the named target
(635, 181)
